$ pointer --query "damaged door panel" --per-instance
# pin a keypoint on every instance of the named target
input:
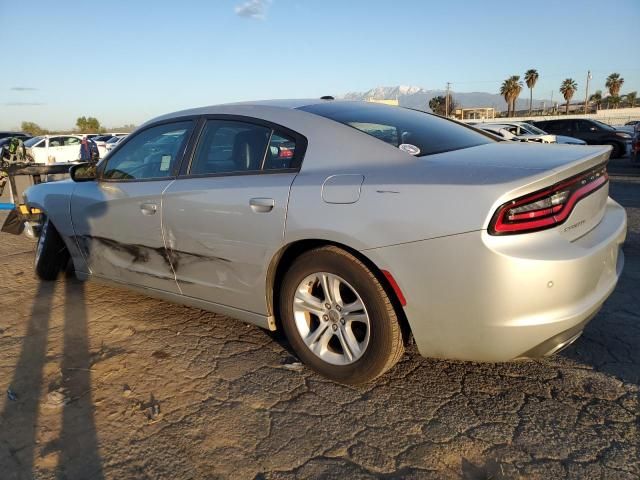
(117, 218)
(120, 240)
(219, 242)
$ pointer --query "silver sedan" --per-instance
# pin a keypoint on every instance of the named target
(353, 227)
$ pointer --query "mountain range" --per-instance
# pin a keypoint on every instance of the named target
(418, 97)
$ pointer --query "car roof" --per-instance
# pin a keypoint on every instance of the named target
(255, 107)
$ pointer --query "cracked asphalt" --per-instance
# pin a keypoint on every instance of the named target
(106, 383)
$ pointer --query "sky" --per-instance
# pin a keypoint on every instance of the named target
(125, 62)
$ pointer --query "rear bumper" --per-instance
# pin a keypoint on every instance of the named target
(478, 297)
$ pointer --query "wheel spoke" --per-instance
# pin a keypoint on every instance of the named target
(349, 343)
(319, 339)
(330, 288)
(355, 317)
(355, 306)
(306, 301)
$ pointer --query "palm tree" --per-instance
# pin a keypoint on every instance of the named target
(531, 77)
(597, 99)
(615, 100)
(510, 90)
(614, 84)
(631, 98)
(567, 89)
(505, 91)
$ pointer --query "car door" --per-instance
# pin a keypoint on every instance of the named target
(224, 219)
(70, 150)
(117, 219)
(55, 149)
(587, 131)
(39, 151)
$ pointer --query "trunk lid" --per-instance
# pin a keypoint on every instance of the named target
(523, 168)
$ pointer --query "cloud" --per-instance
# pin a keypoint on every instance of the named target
(255, 9)
(23, 104)
(23, 89)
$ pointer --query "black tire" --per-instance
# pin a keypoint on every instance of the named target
(51, 253)
(617, 149)
(385, 345)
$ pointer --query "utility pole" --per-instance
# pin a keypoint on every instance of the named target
(586, 95)
(551, 102)
(446, 101)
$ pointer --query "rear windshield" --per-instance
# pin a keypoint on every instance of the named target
(395, 125)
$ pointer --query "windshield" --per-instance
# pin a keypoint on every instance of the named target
(32, 141)
(532, 130)
(420, 133)
(603, 125)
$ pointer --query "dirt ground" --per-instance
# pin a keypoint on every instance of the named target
(98, 382)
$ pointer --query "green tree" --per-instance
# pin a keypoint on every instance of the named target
(510, 90)
(438, 105)
(567, 89)
(33, 128)
(597, 99)
(531, 77)
(614, 84)
(88, 125)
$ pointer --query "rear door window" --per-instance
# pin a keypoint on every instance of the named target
(431, 134)
(231, 147)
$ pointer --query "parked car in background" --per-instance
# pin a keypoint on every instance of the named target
(23, 136)
(298, 215)
(6, 140)
(526, 128)
(54, 148)
(502, 131)
(591, 131)
(101, 141)
(112, 142)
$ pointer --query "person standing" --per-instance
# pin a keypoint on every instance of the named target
(89, 150)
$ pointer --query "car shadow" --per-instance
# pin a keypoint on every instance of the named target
(77, 443)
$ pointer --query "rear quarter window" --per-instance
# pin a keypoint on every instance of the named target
(396, 126)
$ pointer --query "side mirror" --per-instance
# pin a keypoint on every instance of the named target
(83, 172)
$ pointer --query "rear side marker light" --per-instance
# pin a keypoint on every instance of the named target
(396, 288)
(549, 207)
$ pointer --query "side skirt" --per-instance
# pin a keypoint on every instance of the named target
(262, 321)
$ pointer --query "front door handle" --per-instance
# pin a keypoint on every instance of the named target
(262, 205)
(148, 208)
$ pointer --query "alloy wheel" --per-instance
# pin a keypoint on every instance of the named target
(331, 318)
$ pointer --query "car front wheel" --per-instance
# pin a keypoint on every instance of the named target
(338, 317)
(51, 253)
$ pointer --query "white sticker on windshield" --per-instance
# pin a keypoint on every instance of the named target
(165, 163)
(410, 149)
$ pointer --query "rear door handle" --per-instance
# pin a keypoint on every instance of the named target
(148, 208)
(262, 205)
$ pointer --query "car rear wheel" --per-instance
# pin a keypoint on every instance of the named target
(51, 253)
(617, 150)
(338, 317)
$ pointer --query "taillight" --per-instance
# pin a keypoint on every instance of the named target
(546, 208)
